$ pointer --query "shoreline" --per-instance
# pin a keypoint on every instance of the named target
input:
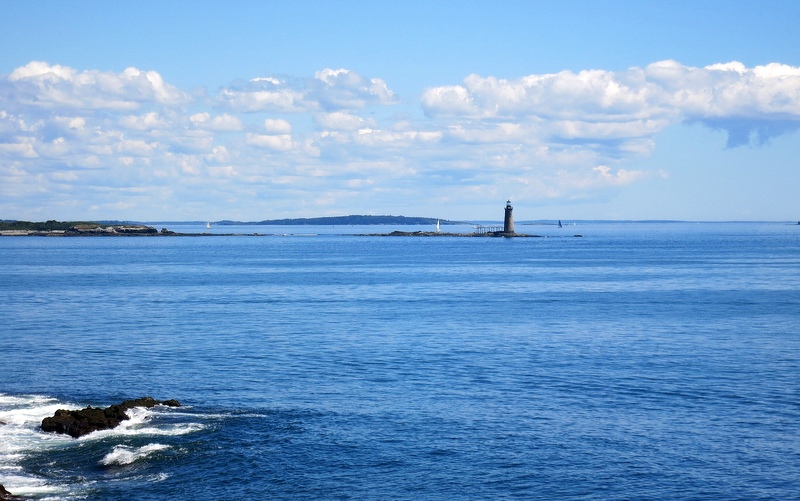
(55, 229)
(167, 233)
(490, 234)
(61, 233)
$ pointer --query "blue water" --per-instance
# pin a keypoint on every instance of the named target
(642, 361)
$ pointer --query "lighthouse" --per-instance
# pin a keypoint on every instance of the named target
(508, 222)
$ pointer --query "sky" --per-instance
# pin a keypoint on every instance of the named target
(254, 110)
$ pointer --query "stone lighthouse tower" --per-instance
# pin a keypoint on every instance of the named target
(508, 222)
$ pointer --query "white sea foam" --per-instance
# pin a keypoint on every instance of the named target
(23, 485)
(21, 435)
(122, 454)
(140, 423)
(18, 411)
(22, 416)
(159, 477)
(8, 400)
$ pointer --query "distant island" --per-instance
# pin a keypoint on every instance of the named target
(72, 228)
(88, 229)
(54, 228)
(117, 228)
(355, 220)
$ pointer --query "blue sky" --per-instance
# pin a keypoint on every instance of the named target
(259, 110)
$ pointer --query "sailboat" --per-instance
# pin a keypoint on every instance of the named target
(208, 225)
(559, 224)
(437, 226)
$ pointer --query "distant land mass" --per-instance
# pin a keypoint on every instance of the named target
(346, 220)
(11, 224)
(85, 228)
(73, 228)
(116, 228)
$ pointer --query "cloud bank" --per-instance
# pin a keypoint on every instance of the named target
(128, 144)
(764, 100)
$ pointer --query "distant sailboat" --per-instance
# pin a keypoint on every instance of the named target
(208, 225)
(437, 226)
(559, 224)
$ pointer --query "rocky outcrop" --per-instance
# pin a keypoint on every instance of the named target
(7, 496)
(117, 229)
(398, 233)
(77, 230)
(84, 421)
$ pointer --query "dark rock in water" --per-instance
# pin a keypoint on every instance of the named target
(7, 496)
(82, 422)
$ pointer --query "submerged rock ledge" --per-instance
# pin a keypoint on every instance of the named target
(85, 421)
(445, 234)
(495, 234)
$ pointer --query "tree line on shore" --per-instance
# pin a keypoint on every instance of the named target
(50, 225)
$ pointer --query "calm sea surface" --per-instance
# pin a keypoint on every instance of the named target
(641, 361)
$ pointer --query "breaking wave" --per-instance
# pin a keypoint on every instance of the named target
(140, 424)
(22, 440)
(123, 454)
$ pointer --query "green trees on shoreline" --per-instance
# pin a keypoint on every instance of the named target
(50, 225)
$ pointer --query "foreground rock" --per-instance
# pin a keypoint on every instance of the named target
(7, 496)
(85, 421)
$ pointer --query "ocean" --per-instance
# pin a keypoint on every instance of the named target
(642, 360)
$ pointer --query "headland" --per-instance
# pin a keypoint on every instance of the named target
(91, 229)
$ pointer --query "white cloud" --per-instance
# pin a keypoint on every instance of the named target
(218, 155)
(135, 147)
(221, 123)
(42, 71)
(39, 84)
(345, 89)
(189, 165)
(277, 126)
(329, 90)
(340, 120)
(622, 176)
(281, 100)
(731, 66)
(566, 135)
(392, 139)
(271, 80)
(636, 102)
(65, 176)
(77, 123)
(572, 129)
(503, 132)
(148, 121)
(226, 171)
(22, 149)
(450, 100)
(280, 142)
